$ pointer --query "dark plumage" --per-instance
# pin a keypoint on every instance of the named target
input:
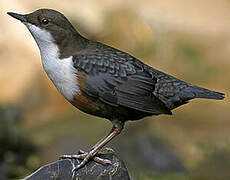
(119, 79)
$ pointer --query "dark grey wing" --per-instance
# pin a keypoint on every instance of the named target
(174, 92)
(115, 79)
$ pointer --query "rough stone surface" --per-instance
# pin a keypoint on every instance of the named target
(62, 170)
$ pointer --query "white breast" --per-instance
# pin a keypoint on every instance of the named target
(60, 71)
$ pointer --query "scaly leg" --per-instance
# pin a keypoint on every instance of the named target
(116, 130)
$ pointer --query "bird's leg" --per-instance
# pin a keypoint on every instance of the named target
(103, 150)
(116, 130)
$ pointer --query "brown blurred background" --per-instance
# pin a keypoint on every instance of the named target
(189, 39)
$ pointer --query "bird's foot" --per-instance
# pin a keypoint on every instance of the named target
(86, 156)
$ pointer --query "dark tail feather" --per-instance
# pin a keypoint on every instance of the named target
(205, 93)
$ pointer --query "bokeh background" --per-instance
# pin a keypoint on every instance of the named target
(189, 39)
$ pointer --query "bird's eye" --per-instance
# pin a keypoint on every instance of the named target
(45, 21)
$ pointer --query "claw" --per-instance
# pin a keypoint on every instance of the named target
(85, 157)
(99, 160)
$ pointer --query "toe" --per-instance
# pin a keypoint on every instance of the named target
(102, 161)
(106, 150)
(81, 152)
(77, 156)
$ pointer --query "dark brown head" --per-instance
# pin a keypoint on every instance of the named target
(47, 25)
(47, 19)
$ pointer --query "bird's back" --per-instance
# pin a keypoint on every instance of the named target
(119, 79)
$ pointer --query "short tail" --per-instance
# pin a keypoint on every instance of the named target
(205, 93)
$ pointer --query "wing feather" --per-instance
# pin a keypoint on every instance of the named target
(117, 81)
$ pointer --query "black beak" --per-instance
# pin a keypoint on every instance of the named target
(20, 17)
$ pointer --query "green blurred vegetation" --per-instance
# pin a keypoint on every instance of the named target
(18, 155)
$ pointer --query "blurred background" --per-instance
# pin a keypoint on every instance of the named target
(185, 38)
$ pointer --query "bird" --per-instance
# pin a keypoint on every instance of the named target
(103, 81)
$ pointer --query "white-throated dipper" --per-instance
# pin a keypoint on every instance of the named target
(101, 80)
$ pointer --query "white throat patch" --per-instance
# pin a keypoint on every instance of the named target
(60, 71)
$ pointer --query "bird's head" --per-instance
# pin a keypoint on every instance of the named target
(46, 25)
